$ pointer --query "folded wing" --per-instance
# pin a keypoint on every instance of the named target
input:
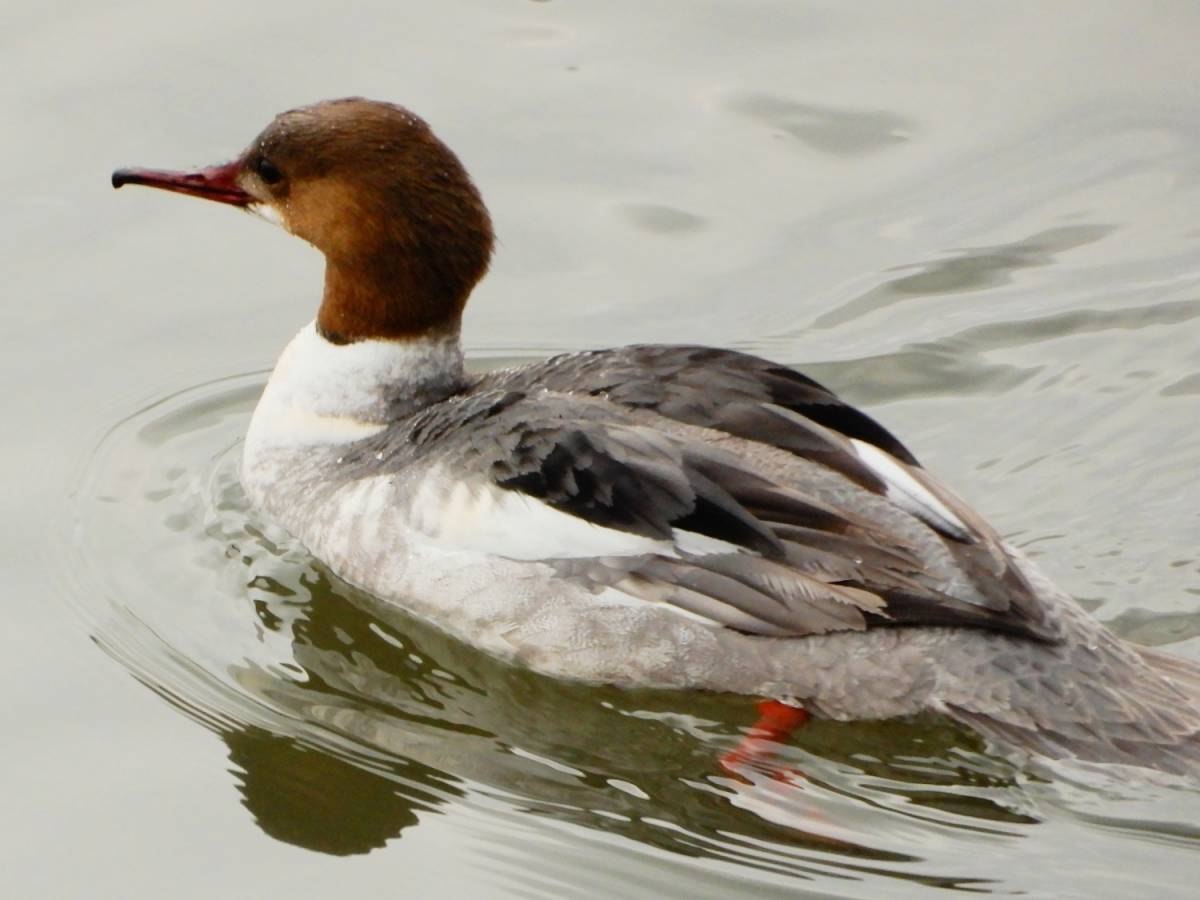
(592, 490)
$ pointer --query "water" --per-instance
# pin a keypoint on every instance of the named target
(977, 222)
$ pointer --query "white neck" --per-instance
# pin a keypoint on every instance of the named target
(326, 393)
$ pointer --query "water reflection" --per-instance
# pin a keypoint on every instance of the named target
(957, 364)
(927, 369)
(970, 269)
(828, 129)
(1188, 384)
(429, 720)
(312, 799)
(659, 219)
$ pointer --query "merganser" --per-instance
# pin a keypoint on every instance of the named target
(667, 516)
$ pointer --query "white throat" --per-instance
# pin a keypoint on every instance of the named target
(326, 393)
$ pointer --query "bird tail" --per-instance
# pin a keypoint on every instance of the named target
(1144, 712)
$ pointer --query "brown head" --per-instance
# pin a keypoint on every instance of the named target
(404, 231)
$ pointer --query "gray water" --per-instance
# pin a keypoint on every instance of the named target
(979, 221)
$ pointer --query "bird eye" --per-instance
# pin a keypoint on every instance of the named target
(267, 171)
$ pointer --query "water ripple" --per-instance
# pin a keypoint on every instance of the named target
(348, 724)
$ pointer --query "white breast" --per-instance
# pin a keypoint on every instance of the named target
(323, 393)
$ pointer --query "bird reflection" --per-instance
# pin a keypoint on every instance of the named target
(388, 720)
(313, 799)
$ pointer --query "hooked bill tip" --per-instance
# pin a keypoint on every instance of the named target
(217, 183)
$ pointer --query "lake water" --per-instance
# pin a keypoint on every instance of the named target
(979, 221)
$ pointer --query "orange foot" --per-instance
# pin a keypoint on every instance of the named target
(775, 722)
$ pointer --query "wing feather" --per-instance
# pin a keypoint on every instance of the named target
(671, 520)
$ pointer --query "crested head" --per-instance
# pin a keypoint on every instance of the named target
(404, 232)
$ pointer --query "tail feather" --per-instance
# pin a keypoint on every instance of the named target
(1144, 713)
(1181, 672)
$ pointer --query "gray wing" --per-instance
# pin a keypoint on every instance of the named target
(676, 521)
(706, 386)
(758, 400)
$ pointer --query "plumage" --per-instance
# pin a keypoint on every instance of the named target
(802, 563)
(670, 516)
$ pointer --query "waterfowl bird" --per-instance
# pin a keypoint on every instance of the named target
(670, 516)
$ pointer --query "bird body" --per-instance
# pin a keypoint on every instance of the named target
(668, 516)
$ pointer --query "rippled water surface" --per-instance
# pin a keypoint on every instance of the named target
(978, 221)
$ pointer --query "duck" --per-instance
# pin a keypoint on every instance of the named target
(664, 516)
